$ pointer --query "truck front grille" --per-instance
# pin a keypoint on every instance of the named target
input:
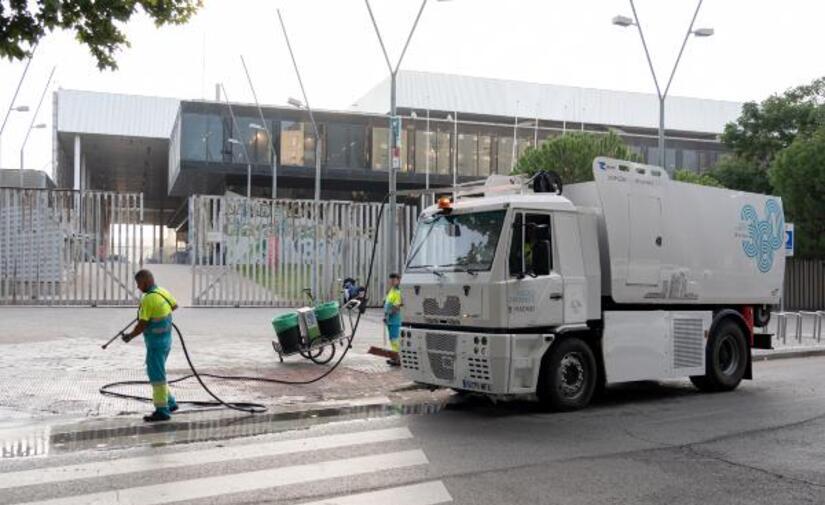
(441, 352)
(451, 307)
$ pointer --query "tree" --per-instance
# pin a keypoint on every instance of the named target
(96, 24)
(571, 155)
(798, 174)
(697, 178)
(736, 173)
(764, 129)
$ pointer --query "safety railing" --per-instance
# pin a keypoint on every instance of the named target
(800, 319)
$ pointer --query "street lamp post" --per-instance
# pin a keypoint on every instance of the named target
(236, 141)
(625, 22)
(33, 126)
(394, 150)
(263, 127)
(19, 108)
(317, 197)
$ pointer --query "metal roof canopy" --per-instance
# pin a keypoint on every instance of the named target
(499, 97)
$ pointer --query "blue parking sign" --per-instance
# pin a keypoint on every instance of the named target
(789, 239)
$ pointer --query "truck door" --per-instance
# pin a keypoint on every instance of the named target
(534, 287)
(645, 244)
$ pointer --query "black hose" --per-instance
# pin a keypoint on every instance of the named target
(250, 407)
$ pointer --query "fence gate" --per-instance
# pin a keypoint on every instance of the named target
(64, 247)
(248, 252)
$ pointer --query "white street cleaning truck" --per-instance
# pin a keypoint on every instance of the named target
(515, 287)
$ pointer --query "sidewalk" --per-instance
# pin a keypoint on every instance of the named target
(51, 363)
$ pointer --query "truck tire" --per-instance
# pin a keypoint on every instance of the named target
(726, 358)
(568, 376)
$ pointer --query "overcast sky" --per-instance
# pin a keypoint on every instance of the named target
(760, 47)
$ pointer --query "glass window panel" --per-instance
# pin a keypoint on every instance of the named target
(467, 154)
(345, 145)
(292, 143)
(254, 137)
(505, 154)
(690, 160)
(652, 156)
(485, 154)
(670, 158)
(442, 152)
(202, 137)
(380, 148)
(523, 144)
(425, 151)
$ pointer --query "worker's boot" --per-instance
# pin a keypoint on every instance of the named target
(172, 403)
(160, 414)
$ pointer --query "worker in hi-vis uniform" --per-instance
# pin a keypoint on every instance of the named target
(392, 316)
(155, 323)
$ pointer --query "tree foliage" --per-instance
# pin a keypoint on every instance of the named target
(697, 178)
(798, 174)
(736, 173)
(571, 155)
(98, 25)
(764, 129)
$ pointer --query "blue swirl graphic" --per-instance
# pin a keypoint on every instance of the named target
(765, 236)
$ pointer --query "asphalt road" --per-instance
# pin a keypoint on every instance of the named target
(644, 444)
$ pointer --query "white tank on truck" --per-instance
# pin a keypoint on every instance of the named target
(521, 287)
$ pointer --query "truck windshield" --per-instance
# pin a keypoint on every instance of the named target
(460, 242)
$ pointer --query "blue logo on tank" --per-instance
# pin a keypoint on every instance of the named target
(765, 236)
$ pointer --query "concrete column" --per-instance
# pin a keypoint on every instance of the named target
(77, 154)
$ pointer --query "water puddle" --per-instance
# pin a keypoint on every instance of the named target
(193, 426)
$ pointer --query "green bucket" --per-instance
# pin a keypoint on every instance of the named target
(326, 311)
(328, 320)
(288, 331)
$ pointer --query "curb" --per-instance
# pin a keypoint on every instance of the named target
(803, 352)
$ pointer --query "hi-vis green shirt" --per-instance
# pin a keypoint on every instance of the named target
(393, 301)
(153, 306)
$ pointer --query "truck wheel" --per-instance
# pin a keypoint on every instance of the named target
(568, 376)
(726, 358)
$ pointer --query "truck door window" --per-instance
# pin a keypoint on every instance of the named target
(530, 250)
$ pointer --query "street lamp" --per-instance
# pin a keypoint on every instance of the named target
(264, 128)
(19, 108)
(235, 141)
(394, 150)
(32, 125)
(625, 22)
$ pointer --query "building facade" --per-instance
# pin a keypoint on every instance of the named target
(453, 128)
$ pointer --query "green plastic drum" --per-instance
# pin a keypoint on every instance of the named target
(329, 321)
(288, 332)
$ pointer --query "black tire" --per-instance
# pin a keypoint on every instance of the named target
(761, 315)
(320, 356)
(568, 375)
(726, 359)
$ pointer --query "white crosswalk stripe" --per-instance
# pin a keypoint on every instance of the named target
(190, 458)
(427, 493)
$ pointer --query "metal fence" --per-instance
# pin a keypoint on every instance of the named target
(248, 252)
(63, 247)
(804, 284)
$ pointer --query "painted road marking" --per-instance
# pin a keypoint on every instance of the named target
(426, 493)
(190, 458)
(247, 481)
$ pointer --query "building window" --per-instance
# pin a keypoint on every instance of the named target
(381, 146)
(505, 154)
(202, 137)
(467, 154)
(425, 152)
(442, 152)
(485, 154)
(690, 160)
(253, 135)
(345, 146)
(297, 144)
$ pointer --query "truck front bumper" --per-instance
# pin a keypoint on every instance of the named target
(492, 363)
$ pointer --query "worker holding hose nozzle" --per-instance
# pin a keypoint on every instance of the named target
(155, 323)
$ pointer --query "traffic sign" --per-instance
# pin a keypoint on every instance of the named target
(789, 239)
